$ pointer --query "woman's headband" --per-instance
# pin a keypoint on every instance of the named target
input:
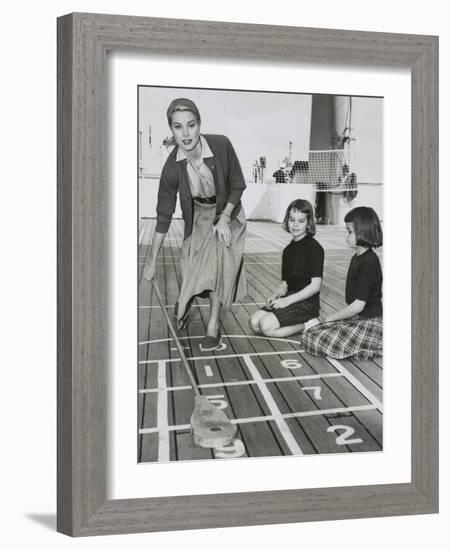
(184, 104)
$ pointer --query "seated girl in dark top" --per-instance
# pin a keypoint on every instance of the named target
(356, 329)
(296, 301)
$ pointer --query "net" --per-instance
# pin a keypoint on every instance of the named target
(330, 171)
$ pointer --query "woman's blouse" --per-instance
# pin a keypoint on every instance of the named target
(229, 184)
(201, 179)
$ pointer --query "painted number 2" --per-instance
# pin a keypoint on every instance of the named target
(291, 364)
(343, 438)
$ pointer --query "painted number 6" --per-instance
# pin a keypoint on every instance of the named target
(291, 364)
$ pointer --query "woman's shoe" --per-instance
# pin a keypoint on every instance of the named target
(210, 343)
(181, 323)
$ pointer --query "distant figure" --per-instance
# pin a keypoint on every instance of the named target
(205, 172)
(280, 176)
(356, 330)
(255, 172)
(298, 168)
(295, 304)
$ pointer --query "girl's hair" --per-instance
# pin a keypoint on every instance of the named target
(306, 208)
(367, 226)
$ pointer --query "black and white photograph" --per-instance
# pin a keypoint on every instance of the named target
(260, 238)
(194, 376)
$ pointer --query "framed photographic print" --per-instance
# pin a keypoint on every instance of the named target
(292, 149)
(247, 276)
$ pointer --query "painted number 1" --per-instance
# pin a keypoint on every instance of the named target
(343, 438)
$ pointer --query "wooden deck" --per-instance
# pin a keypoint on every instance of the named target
(283, 400)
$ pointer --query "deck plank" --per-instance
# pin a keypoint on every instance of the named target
(315, 428)
(187, 450)
(373, 422)
(367, 382)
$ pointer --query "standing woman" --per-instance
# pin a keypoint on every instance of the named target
(205, 171)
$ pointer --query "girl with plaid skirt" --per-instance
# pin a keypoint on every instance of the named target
(357, 329)
(296, 300)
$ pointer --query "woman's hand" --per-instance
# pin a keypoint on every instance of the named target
(149, 271)
(280, 303)
(222, 229)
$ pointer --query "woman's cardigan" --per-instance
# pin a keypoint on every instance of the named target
(228, 181)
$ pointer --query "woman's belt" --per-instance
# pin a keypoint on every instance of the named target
(205, 200)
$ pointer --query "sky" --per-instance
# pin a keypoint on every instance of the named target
(260, 123)
(257, 123)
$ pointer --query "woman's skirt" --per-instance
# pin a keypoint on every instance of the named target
(297, 313)
(357, 336)
(208, 265)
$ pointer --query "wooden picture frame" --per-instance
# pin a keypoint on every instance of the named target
(83, 41)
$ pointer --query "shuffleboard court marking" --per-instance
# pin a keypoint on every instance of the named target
(256, 354)
(291, 364)
(288, 436)
(170, 263)
(316, 412)
(184, 347)
(246, 382)
(221, 347)
(344, 438)
(255, 245)
(265, 237)
(317, 391)
(228, 336)
(357, 384)
(166, 240)
(162, 418)
(141, 234)
(240, 304)
(208, 371)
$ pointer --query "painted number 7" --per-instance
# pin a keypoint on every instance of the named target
(317, 391)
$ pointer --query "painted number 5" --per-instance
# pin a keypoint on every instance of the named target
(343, 438)
(218, 401)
